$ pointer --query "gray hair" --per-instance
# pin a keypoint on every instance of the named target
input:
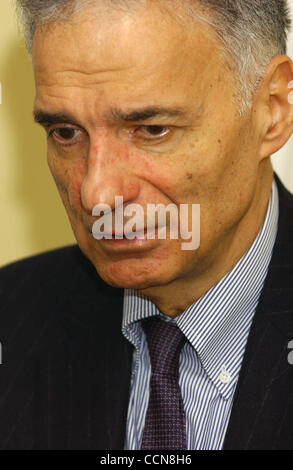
(252, 32)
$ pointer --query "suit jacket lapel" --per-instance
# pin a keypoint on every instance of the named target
(96, 370)
(117, 387)
(259, 411)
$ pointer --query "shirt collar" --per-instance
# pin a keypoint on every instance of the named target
(217, 325)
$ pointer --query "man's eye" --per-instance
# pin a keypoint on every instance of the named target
(65, 135)
(151, 132)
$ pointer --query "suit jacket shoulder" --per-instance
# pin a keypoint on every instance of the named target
(62, 352)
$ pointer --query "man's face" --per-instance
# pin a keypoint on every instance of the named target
(92, 72)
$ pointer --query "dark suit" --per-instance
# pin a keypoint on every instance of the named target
(64, 380)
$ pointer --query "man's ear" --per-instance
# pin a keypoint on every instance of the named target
(275, 97)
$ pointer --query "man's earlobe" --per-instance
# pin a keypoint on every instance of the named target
(278, 88)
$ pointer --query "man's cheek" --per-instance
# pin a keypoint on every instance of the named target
(68, 179)
(74, 182)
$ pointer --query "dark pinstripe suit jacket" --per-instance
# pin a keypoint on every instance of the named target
(65, 372)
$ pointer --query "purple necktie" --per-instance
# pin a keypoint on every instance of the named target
(165, 426)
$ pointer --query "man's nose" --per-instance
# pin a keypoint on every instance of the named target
(108, 175)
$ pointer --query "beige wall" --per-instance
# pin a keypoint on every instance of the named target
(31, 215)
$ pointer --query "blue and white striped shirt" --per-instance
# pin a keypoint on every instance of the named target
(217, 327)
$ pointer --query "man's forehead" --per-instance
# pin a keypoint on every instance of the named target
(129, 67)
(138, 41)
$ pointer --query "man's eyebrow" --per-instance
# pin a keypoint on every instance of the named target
(45, 118)
(145, 113)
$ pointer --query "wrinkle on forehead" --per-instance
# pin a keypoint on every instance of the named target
(77, 78)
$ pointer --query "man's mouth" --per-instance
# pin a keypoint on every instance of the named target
(137, 241)
(140, 234)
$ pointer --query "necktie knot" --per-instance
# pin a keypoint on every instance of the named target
(165, 342)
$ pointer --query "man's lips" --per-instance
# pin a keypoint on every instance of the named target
(129, 245)
(131, 235)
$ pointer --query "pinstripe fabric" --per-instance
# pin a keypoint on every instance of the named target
(217, 327)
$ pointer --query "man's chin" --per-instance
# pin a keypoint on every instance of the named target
(127, 283)
(121, 276)
(135, 272)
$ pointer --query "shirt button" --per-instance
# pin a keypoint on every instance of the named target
(225, 377)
